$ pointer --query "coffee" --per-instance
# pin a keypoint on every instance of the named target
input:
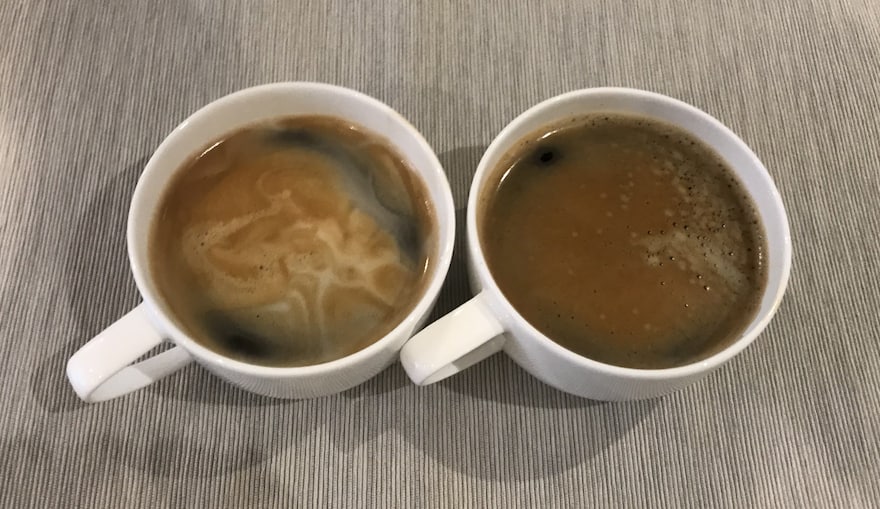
(292, 242)
(625, 240)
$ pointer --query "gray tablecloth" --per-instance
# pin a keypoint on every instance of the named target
(88, 89)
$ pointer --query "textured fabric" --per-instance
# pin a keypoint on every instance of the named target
(89, 88)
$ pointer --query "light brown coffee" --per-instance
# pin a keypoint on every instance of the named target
(625, 240)
(293, 242)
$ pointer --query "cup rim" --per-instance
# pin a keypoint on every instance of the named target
(211, 358)
(500, 143)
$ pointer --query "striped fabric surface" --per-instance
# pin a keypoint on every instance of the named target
(89, 88)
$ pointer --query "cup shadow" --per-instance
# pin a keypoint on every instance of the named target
(493, 421)
(48, 383)
(95, 271)
(460, 164)
(520, 428)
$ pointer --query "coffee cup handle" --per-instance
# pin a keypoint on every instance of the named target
(103, 368)
(455, 342)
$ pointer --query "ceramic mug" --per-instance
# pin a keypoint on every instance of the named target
(489, 323)
(106, 366)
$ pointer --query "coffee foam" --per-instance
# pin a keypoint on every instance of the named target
(702, 240)
(625, 240)
(293, 243)
(301, 244)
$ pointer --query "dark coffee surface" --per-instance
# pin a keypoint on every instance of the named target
(625, 240)
(292, 242)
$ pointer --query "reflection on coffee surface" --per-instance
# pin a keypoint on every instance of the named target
(625, 240)
(292, 242)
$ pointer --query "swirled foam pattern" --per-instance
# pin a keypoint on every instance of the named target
(293, 242)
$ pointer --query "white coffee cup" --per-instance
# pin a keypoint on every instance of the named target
(489, 323)
(106, 366)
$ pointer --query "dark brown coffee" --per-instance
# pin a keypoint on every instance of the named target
(625, 240)
(293, 242)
